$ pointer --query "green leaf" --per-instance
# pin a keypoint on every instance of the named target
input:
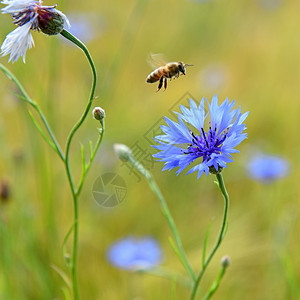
(63, 276)
(205, 245)
(91, 149)
(177, 252)
(83, 159)
(225, 230)
(41, 131)
(64, 250)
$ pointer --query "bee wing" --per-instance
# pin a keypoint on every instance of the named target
(156, 60)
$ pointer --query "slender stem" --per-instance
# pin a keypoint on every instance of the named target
(167, 214)
(77, 42)
(75, 243)
(65, 158)
(220, 238)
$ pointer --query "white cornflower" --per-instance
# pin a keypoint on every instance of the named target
(29, 15)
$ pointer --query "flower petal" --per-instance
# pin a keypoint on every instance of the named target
(175, 133)
(195, 115)
(17, 42)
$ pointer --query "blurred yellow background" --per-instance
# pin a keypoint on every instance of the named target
(243, 50)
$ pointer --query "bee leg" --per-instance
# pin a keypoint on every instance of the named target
(160, 83)
(165, 85)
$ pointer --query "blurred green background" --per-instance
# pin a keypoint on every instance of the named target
(244, 50)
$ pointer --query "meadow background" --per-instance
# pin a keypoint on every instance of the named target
(244, 50)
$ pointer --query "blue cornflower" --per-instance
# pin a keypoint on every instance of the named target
(211, 148)
(268, 168)
(132, 253)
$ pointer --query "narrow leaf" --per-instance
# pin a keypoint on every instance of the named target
(63, 276)
(205, 245)
(41, 131)
(64, 250)
(24, 99)
(177, 252)
(225, 230)
(82, 159)
(91, 148)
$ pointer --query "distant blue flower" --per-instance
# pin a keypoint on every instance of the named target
(270, 4)
(267, 168)
(213, 76)
(132, 253)
(212, 149)
(86, 26)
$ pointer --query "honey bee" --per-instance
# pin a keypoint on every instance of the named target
(170, 70)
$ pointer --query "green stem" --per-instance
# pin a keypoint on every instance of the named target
(220, 238)
(65, 158)
(75, 193)
(167, 214)
(77, 42)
